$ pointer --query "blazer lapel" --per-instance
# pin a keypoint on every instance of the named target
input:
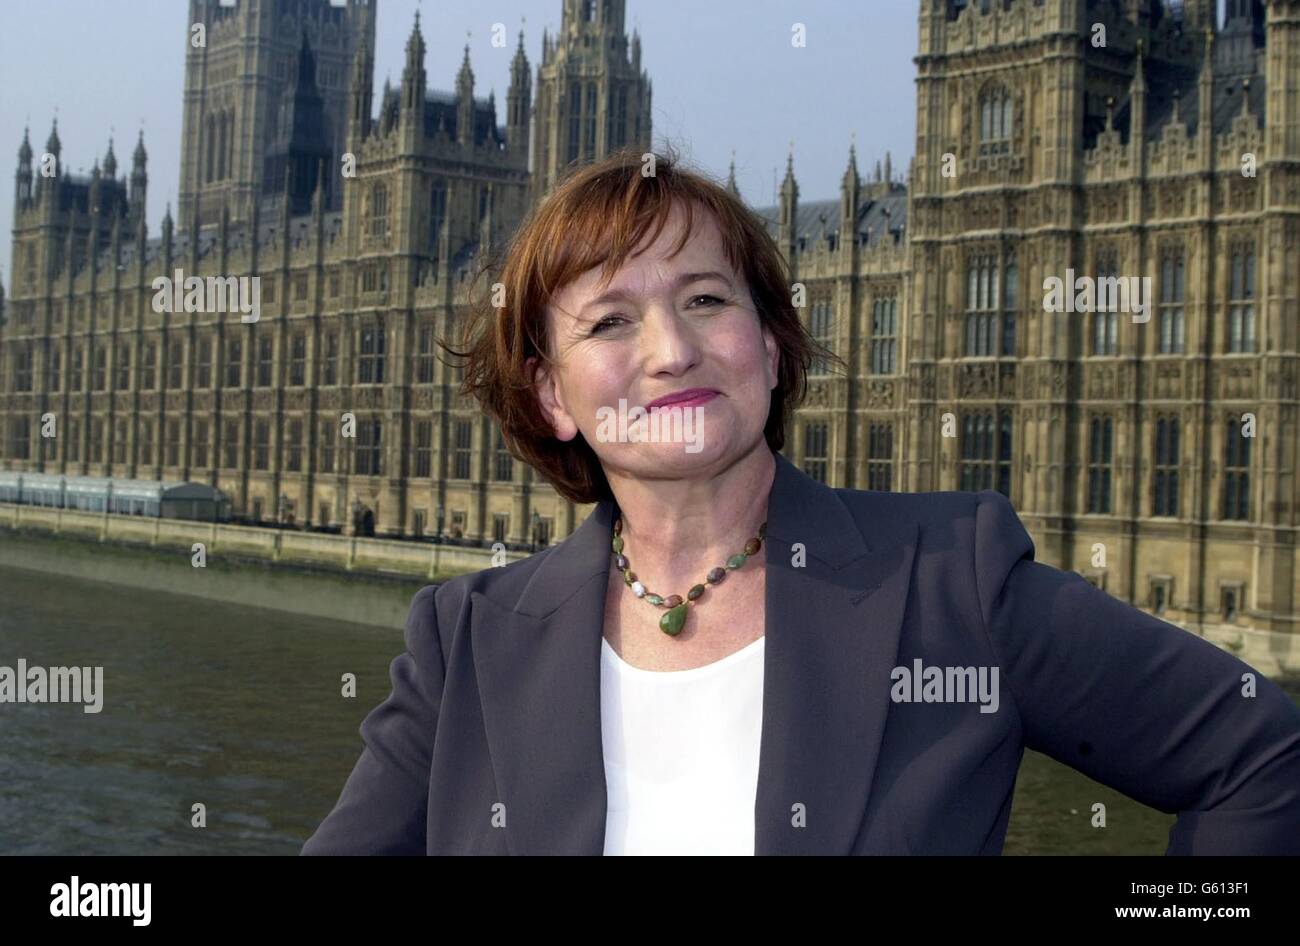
(835, 606)
(834, 615)
(538, 671)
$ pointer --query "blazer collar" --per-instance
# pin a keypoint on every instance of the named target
(538, 667)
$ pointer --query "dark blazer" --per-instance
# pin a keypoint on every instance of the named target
(490, 742)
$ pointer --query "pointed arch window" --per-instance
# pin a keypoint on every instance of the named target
(1171, 324)
(884, 335)
(986, 452)
(378, 211)
(1101, 440)
(575, 119)
(1236, 472)
(210, 134)
(996, 121)
(1241, 304)
(230, 143)
(1165, 475)
(1105, 321)
(223, 128)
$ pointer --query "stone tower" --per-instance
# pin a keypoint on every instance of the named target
(593, 97)
(242, 63)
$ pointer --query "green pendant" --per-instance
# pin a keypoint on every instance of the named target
(673, 620)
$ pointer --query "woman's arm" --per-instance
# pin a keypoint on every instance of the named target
(1137, 703)
(383, 805)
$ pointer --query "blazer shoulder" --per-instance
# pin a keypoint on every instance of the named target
(925, 509)
(499, 582)
(946, 518)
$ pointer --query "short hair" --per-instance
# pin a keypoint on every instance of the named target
(598, 214)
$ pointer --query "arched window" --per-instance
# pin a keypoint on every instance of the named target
(210, 133)
(1101, 439)
(880, 456)
(230, 143)
(821, 327)
(981, 305)
(1165, 473)
(222, 128)
(1236, 472)
(1241, 299)
(815, 438)
(575, 119)
(1171, 338)
(1105, 321)
(378, 211)
(980, 466)
(884, 335)
(1011, 305)
(996, 121)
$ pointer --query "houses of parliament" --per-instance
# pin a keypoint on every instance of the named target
(1156, 457)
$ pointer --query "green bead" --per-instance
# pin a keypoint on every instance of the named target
(618, 544)
(737, 560)
(695, 592)
(654, 599)
(672, 621)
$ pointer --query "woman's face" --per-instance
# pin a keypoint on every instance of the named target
(661, 326)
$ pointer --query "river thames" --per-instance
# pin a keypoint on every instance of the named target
(240, 710)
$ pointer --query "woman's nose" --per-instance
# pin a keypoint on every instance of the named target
(667, 341)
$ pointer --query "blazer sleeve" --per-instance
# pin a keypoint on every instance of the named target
(382, 809)
(1137, 703)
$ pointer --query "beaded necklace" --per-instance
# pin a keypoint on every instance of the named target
(674, 618)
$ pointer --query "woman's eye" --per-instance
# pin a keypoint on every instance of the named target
(716, 300)
(606, 322)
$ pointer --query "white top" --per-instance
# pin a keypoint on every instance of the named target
(681, 754)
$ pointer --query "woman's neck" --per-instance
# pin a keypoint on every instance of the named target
(676, 530)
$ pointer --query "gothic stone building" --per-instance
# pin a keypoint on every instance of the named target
(359, 274)
(1097, 138)
(1166, 147)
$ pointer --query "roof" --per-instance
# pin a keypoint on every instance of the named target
(1226, 103)
(300, 228)
(876, 218)
(442, 108)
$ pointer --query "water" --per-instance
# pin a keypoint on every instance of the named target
(236, 708)
(241, 709)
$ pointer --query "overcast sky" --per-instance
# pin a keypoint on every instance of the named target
(725, 75)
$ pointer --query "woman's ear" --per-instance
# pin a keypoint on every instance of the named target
(546, 387)
(773, 358)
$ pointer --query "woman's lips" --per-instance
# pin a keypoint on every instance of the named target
(691, 398)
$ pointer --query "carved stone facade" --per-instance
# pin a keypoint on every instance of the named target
(333, 408)
(1168, 154)
(1191, 182)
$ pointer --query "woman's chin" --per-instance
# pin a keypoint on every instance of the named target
(657, 459)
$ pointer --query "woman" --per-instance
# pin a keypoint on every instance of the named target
(728, 656)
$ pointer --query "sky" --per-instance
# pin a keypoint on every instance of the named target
(726, 77)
